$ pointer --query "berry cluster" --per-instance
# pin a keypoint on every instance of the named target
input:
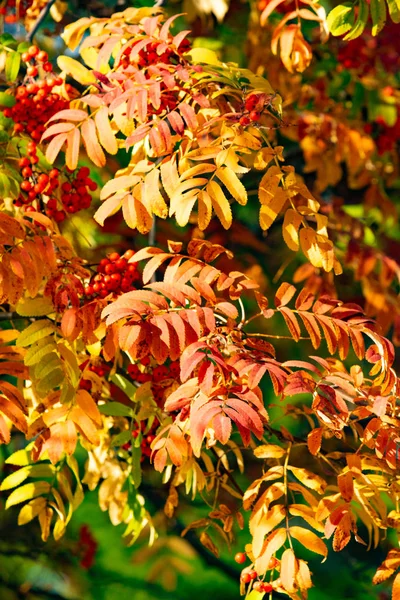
(38, 187)
(87, 547)
(365, 54)
(99, 369)
(36, 100)
(253, 108)
(161, 376)
(386, 137)
(115, 275)
(149, 55)
(14, 10)
(248, 574)
(147, 437)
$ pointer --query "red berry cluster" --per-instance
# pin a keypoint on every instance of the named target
(248, 574)
(160, 376)
(75, 194)
(100, 370)
(87, 547)
(252, 110)
(147, 438)
(364, 54)
(149, 55)
(387, 137)
(14, 10)
(36, 102)
(115, 275)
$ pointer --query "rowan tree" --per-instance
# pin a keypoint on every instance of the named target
(199, 279)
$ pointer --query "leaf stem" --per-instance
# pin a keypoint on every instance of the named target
(285, 483)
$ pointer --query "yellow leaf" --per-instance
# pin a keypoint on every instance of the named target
(76, 70)
(220, 204)
(269, 451)
(309, 540)
(58, 9)
(233, 184)
(45, 518)
(104, 130)
(27, 492)
(396, 588)
(73, 33)
(34, 307)
(204, 55)
(274, 541)
(269, 184)
(204, 209)
(290, 229)
(271, 208)
(31, 510)
(311, 480)
(289, 568)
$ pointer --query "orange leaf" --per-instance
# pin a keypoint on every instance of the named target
(93, 148)
(309, 540)
(314, 440)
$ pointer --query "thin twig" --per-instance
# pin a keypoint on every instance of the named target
(228, 473)
(42, 15)
(7, 316)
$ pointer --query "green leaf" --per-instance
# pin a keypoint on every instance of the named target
(7, 39)
(13, 62)
(23, 47)
(35, 332)
(4, 185)
(16, 478)
(115, 409)
(27, 492)
(362, 18)
(43, 369)
(136, 469)
(121, 438)
(341, 19)
(53, 380)
(39, 351)
(378, 14)
(394, 10)
(124, 385)
(34, 307)
(7, 100)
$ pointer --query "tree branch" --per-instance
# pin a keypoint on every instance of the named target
(42, 15)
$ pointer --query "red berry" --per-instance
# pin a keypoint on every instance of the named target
(24, 162)
(128, 254)
(267, 587)
(26, 172)
(26, 186)
(114, 256)
(274, 562)
(240, 558)
(253, 575)
(245, 577)
(244, 121)
(42, 56)
(48, 67)
(33, 51)
(258, 586)
(254, 115)
(32, 71)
